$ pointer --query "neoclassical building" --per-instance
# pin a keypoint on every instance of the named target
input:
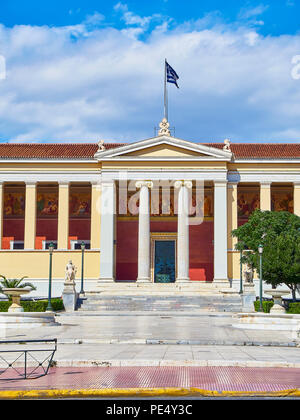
(155, 211)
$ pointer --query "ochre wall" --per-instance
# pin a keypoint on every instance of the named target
(35, 264)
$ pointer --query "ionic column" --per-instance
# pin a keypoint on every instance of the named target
(144, 232)
(63, 216)
(30, 216)
(95, 216)
(183, 254)
(1, 211)
(265, 196)
(220, 233)
(107, 235)
(297, 198)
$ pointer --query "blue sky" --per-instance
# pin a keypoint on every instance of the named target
(81, 71)
(280, 16)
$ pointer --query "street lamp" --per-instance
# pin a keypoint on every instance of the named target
(49, 306)
(241, 270)
(260, 251)
(82, 294)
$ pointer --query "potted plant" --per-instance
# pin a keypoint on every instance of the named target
(14, 289)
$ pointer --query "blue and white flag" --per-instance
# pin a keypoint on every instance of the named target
(172, 76)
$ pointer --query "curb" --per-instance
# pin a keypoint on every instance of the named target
(180, 342)
(139, 392)
(177, 363)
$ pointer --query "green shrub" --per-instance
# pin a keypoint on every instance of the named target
(267, 305)
(34, 306)
(294, 308)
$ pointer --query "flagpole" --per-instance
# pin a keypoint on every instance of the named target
(166, 94)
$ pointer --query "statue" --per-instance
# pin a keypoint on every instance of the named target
(164, 128)
(227, 144)
(248, 274)
(101, 146)
(70, 273)
(70, 296)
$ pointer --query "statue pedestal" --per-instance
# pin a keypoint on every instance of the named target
(70, 297)
(248, 298)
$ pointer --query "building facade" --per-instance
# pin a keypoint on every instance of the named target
(156, 211)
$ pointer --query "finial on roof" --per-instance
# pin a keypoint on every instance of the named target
(164, 128)
(227, 144)
(101, 146)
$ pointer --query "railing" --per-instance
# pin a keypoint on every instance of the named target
(26, 363)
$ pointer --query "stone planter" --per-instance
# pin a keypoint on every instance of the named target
(278, 307)
(16, 297)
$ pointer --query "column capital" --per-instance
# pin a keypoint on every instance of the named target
(96, 185)
(187, 184)
(140, 184)
(265, 184)
(64, 184)
(31, 183)
(220, 183)
(108, 183)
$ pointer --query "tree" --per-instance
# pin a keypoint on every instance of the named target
(279, 233)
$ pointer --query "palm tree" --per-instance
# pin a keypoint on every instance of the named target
(14, 283)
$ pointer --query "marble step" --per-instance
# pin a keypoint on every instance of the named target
(190, 304)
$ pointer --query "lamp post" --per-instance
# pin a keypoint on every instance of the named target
(260, 251)
(241, 271)
(82, 294)
(49, 306)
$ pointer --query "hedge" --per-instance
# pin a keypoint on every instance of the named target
(34, 306)
(293, 308)
(267, 305)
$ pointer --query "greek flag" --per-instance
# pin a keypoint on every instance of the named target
(172, 76)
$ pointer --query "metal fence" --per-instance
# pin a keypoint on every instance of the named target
(26, 359)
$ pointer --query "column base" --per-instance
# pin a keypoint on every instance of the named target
(183, 280)
(221, 283)
(106, 280)
(143, 280)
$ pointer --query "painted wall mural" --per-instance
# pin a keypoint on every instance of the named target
(282, 200)
(80, 204)
(14, 204)
(164, 205)
(247, 202)
(47, 204)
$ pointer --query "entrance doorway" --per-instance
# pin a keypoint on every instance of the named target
(163, 262)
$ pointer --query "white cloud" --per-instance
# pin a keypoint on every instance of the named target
(85, 82)
(250, 12)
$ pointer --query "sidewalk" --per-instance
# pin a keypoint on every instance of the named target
(155, 381)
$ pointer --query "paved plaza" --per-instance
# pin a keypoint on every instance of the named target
(161, 328)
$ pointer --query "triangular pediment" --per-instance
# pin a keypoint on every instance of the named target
(164, 148)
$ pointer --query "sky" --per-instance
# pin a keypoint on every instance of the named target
(81, 71)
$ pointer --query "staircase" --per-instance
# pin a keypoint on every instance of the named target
(161, 299)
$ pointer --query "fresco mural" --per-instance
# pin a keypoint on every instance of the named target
(80, 204)
(247, 202)
(14, 204)
(167, 205)
(47, 203)
(282, 200)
